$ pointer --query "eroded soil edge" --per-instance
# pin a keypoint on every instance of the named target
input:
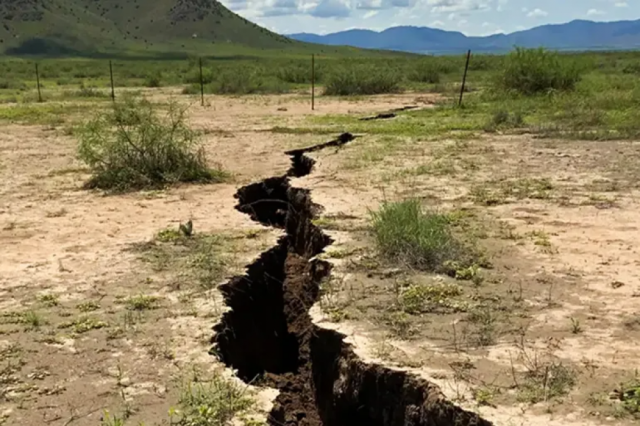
(268, 335)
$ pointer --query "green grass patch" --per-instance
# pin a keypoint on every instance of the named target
(419, 239)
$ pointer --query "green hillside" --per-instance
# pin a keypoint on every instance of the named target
(137, 27)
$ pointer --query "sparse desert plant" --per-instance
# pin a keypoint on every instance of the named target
(111, 420)
(361, 81)
(551, 381)
(132, 146)
(532, 71)
(407, 234)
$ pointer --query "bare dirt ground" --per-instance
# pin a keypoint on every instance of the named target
(94, 317)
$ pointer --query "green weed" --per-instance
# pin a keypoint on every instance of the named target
(407, 234)
(416, 299)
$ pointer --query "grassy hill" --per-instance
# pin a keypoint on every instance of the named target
(138, 27)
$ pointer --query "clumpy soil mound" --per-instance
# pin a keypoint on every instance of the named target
(268, 333)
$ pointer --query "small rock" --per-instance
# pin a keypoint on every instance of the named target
(617, 284)
(282, 109)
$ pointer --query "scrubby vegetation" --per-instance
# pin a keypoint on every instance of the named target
(587, 95)
(531, 71)
(134, 146)
(361, 81)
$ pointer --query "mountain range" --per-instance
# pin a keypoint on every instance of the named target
(574, 35)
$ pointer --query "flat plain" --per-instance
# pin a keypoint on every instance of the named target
(107, 305)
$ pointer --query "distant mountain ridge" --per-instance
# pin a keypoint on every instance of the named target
(574, 35)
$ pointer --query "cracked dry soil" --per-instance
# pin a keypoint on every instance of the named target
(268, 334)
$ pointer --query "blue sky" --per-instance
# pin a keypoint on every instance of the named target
(471, 17)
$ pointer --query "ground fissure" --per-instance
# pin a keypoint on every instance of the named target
(268, 336)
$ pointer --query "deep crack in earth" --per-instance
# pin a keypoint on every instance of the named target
(268, 333)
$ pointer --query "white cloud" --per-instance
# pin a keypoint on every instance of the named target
(331, 9)
(594, 12)
(383, 4)
(621, 4)
(437, 24)
(370, 14)
(537, 13)
(369, 4)
(448, 6)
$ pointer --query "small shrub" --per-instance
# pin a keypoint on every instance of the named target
(631, 68)
(298, 73)
(63, 81)
(133, 147)
(503, 119)
(406, 234)
(14, 85)
(364, 81)
(153, 80)
(546, 382)
(89, 92)
(481, 63)
(245, 81)
(532, 71)
(193, 76)
(192, 89)
(483, 330)
(426, 72)
(629, 395)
